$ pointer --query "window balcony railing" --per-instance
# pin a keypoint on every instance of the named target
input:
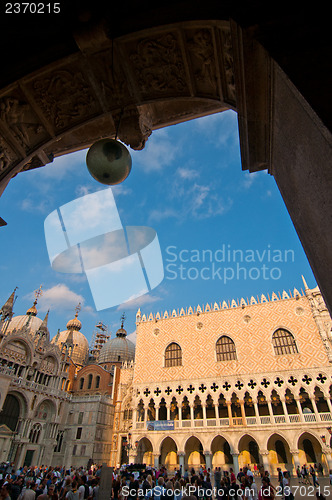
(249, 421)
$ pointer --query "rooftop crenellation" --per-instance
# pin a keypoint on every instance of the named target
(218, 306)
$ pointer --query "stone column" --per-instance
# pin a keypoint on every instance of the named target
(229, 409)
(145, 414)
(313, 402)
(284, 406)
(258, 420)
(204, 415)
(216, 411)
(180, 414)
(295, 455)
(328, 456)
(181, 455)
(157, 413)
(265, 458)
(208, 459)
(134, 417)
(21, 456)
(192, 414)
(236, 463)
(329, 404)
(269, 405)
(243, 412)
(168, 408)
(299, 407)
(156, 460)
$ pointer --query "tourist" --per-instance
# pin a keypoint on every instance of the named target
(251, 493)
(267, 491)
(73, 493)
(217, 477)
(288, 495)
(313, 475)
(158, 491)
(5, 492)
(305, 474)
(50, 495)
(298, 473)
(28, 493)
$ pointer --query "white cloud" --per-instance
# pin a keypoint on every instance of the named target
(159, 152)
(121, 190)
(33, 206)
(62, 165)
(220, 128)
(141, 301)
(58, 297)
(187, 173)
(132, 337)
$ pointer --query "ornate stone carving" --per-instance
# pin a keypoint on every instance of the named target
(201, 50)
(135, 128)
(65, 97)
(158, 65)
(21, 121)
(6, 155)
(228, 66)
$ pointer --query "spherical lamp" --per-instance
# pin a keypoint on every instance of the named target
(108, 161)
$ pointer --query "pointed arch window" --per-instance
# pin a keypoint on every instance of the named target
(225, 348)
(284, 342)
(173, 355)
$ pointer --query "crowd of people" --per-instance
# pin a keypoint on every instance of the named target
(48, 483)
(140, 482)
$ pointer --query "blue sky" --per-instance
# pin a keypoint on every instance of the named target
(188, 185)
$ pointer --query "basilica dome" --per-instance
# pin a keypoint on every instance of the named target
(73, 337)
(118, 349)
(28, 321)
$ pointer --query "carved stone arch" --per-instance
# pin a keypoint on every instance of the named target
(202, 438)
(145, 450)
(15, 407)
(46, 409)
(161, 440)
(275, 433)
(279, 454)
(317, 446)
(256, 437)
(14, 349)
(52, 369)
(230, 438)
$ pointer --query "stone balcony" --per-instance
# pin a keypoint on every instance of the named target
(312, 418)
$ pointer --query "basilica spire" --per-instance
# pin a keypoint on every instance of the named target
(43, 327)
(32, 311)
(305, 283)
(7, 309)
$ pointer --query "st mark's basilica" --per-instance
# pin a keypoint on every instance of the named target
(224, 384)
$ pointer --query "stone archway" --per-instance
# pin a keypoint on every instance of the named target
(168, 453)
(11, 411)
(249, 452)
(279, 454)
(194, 453)
(221, 453)
(144, 451)
(310, 450)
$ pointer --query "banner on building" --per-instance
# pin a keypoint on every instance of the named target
(160, 425)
